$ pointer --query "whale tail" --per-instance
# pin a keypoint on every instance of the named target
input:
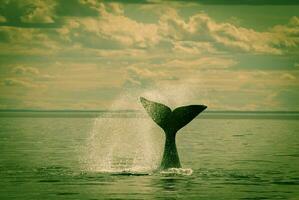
(171, 121)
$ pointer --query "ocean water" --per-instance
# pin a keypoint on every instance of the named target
(60, 156)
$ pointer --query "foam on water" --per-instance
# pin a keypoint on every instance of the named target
(177, 171)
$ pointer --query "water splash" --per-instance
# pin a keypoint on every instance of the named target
(129, 144)
(124, 145)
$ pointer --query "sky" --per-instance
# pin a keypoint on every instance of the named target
(95, 55)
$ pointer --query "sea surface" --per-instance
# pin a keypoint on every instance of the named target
(114, 156)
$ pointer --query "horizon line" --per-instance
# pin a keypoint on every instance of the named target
(134, 110)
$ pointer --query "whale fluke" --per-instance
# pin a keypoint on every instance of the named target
(171, 122)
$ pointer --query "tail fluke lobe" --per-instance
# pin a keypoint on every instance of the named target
(171, 121)
(183, 115)
(157, 111)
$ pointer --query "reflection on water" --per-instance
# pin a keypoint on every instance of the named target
(46, 158)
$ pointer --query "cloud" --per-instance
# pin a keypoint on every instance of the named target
(287, 35)
(113, 30)
(209, 2)
(193, 47)
(12, 82)
(20, 70)
(39, 11)
(237, 2)
(28, 41)
(200, 33)
(29, 11)
(141, 77)
(288, 76)
(201, 63)
(110, 30)
(104, 8)
(201, 28)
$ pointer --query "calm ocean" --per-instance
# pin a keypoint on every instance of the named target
(114, 156)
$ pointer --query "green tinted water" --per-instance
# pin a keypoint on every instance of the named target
(45, 158)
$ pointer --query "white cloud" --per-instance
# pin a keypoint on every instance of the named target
(198, 35)
(110, 30)
(38, 11)
(201, 63)
(116, 8)
(28, 41)
(193, 47)
(288, 76)
(287, 35)
(20, 70)
(113, 25)
(202, 28)
(13, 82)
(142, 77)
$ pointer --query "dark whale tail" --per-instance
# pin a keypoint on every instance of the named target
(171, 122)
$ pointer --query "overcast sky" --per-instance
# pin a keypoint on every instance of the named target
(89, 54)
